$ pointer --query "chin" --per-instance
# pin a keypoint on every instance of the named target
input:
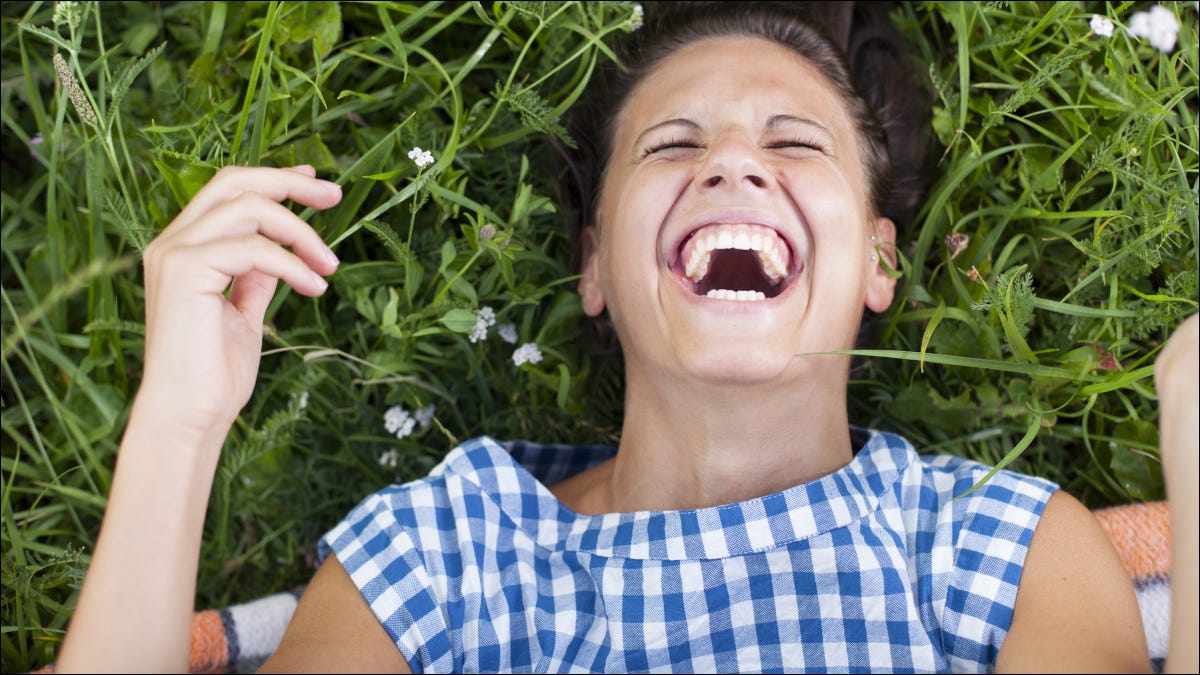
(739, 363)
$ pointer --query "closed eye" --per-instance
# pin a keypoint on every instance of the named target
(669, 144)
(796, 143)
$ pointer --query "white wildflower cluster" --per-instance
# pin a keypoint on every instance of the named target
(1101, 26)
(508, 333)
(1158, 25)
(34, 143)
(423, 158)
(389, 459)
(301, 399)
(398, 421)
(424, 416)
(69, 13)
(638, 18)
(527, 353)
(484, 318)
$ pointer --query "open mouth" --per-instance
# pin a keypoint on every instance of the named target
(740, 262)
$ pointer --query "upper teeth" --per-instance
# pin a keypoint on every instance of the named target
(771, 251)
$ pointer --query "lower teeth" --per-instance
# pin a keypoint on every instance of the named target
(742, 296)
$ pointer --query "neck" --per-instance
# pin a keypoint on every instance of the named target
(690, 445)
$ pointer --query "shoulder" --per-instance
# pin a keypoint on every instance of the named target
(1076, 609)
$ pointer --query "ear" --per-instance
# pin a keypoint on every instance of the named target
(590, 291)
(881, 286)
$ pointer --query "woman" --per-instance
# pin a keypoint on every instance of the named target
(734, 237)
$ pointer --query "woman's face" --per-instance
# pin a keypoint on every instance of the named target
(733, 231)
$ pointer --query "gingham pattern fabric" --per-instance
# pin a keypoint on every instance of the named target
(875, 567)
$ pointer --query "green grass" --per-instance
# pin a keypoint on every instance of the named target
(1070, 162)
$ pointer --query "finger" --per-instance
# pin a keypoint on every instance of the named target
(252, 292)
(296, 184)
(212, 265)
(252, 213)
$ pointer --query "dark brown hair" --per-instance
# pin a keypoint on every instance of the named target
(854, 44)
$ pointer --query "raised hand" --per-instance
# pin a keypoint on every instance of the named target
(209, 278)
(203, 346)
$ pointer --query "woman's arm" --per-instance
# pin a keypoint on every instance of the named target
(1178, 384)
(209, 278)
(1076, 609)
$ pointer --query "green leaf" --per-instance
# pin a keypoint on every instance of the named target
(48, 35)
(390, 310)
(459, 320)
(534, 111)
(125, 79)
(320, 22)
(564, 386)
(1139, 473)
(930, 329)
(308, 150)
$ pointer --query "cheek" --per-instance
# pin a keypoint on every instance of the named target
(828, 201)
(637, 211)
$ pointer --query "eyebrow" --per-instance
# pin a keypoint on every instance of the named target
(677, 120)
(778, 120)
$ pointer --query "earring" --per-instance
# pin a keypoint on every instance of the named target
(874, 258)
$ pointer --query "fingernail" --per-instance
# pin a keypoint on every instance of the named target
(321, 283)
(330, 185)
(331, 257)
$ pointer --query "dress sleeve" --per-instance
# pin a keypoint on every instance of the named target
(995, 524)
(375, 544)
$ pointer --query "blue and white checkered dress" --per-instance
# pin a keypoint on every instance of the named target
(875, 567)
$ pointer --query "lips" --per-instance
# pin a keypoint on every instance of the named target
(740, 261)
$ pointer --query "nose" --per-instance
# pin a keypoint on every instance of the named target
(733, 162)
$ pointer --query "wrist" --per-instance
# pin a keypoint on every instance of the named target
(155, 422)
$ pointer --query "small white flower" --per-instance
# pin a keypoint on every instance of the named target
(1159, 26)
(389, 459)
(638, 17)
(424, 415)
(33, 143)
(485, 317)
(479, 332)
(398, 421)
(1101, 26)
(527, 353)
(508, 333)
(69, 13)
(302, 400)
(422, 158)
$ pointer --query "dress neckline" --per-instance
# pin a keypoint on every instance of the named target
(514, 475)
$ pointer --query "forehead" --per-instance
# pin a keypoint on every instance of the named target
(712, 78)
